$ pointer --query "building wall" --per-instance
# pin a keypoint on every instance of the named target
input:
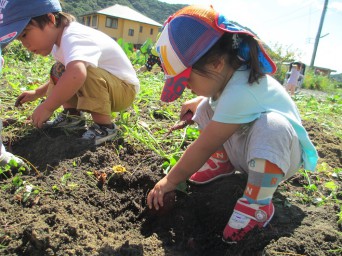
(141, 31)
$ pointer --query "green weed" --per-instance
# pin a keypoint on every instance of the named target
(24, 190)
(317, 109)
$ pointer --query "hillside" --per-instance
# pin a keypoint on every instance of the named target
(156, 10)
(337, 77)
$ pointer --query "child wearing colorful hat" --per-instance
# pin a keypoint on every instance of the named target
(98, 76)
(247, 120)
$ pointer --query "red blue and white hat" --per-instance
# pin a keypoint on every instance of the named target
(187, 35)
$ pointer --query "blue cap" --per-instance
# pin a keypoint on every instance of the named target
(16, 14)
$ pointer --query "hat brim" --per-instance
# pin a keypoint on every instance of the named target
(267, 65)
(175, 86)
(10, 32)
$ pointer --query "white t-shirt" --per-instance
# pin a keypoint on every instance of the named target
(86, 44)
(242, 103)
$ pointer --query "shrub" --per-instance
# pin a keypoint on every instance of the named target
(319, 82)
(18, 51)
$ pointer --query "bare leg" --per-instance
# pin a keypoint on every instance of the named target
(101, 119)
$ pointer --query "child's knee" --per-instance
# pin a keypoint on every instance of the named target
(274, 139)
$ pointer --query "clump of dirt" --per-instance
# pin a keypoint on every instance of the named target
(92, 201)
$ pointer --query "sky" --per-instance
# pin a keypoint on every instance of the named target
(293, 24)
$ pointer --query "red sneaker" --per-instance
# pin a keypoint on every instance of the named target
(217, 166)
(246, 217)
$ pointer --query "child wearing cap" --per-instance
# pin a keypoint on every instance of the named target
(98, 76)
(247, 120)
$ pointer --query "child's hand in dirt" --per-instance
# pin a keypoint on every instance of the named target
(156, 195)
(40, 115)
(26, 96)
(190, 106)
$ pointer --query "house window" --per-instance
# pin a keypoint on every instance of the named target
(94, 21)
(151, 31)
(83, 20)
(88, 21)
(111, 22)
(131, 32)
(141, 29)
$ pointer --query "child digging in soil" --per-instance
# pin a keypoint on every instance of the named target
(248, 122)
(98, 77)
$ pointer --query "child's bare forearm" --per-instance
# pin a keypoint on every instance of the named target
(191, 161)
(72, 80)
(42, 90)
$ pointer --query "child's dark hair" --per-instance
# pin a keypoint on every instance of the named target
(62, 19)
(224, 47)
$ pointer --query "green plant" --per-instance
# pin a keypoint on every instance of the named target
(143, 53)
(55, 188)
(7, 169)
(317, 109)
(318, 82)
(127, 47)
(24, 190)
(281, 55)
(19, 51)
(65, 178)
(65, 181)
(310, 187)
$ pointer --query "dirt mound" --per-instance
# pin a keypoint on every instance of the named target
(91, 201)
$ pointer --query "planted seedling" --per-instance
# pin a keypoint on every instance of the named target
(25, 190)
(66, 183)
(6, 170)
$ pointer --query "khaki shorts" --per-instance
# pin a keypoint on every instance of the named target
(102, 93)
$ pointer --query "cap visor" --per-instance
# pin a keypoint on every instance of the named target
(175, 86)
(267, 64)
(9, 32)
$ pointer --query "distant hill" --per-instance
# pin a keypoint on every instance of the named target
(156, 10)
(337, 77)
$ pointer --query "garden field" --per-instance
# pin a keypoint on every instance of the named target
(77, 199)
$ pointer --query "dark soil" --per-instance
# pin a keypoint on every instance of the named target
(99, 211)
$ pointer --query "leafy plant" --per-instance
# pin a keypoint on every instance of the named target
(24, 190)
(143, 53)
(127, 47)
(318, 82)
(65, 181)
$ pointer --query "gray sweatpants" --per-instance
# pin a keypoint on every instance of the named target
(270, 137)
